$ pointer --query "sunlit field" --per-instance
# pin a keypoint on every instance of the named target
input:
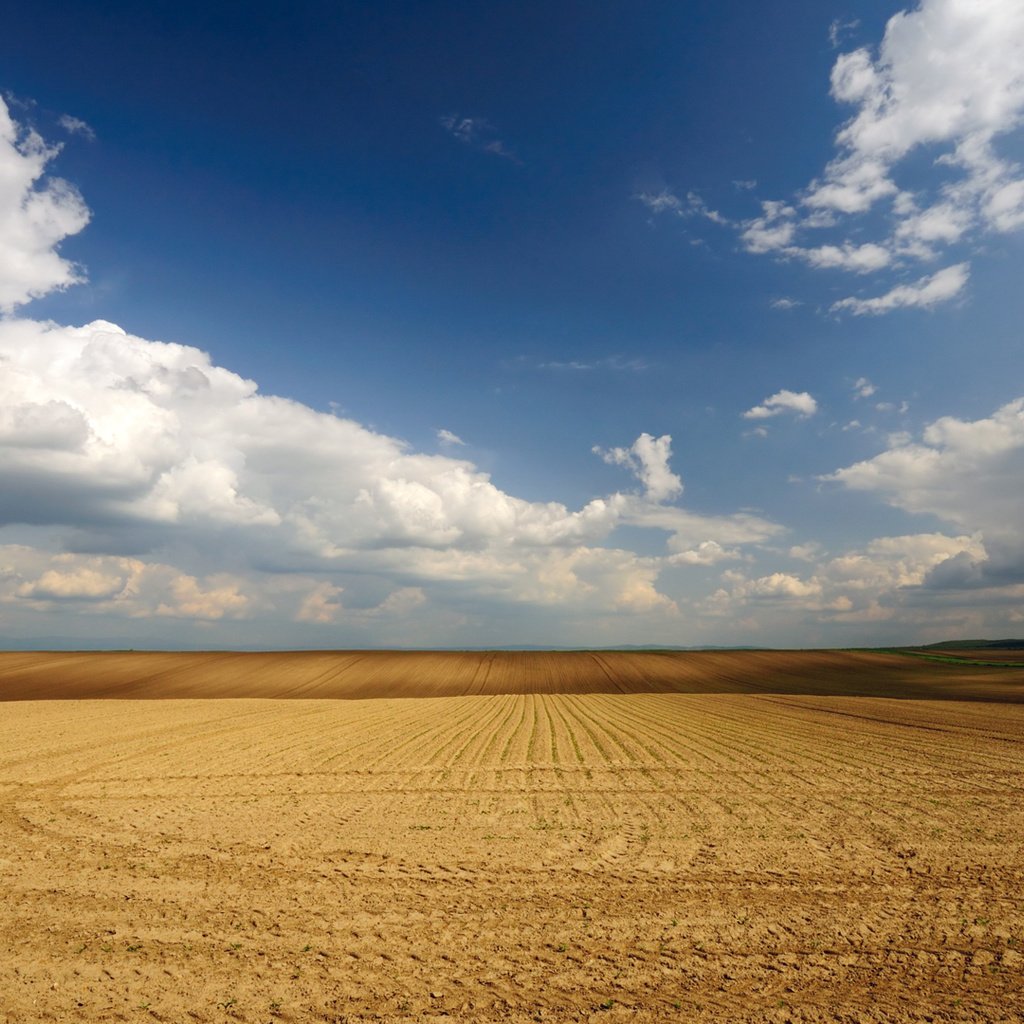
(499, 854)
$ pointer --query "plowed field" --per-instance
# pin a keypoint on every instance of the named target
(360, 674)
(541, 856)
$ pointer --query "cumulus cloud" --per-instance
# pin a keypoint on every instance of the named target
(648, 459)
(863, 388)
(947, 79)
(799, 402)
(110, 584)
(969, 473)
(36, 214)
(882, 585)
(861, 259)
(947, 73)
(150, 453)
(82, 582)
(160, 485)
(708, 552)
(925, 293)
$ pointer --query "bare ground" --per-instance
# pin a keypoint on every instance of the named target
(363, 674)
(515, 857)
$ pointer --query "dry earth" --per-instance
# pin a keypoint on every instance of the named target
(353, 674)
(678, 856)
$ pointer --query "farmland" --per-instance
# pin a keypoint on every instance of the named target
(716, 836)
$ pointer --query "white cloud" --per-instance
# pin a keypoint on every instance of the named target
(883, 585)
(808, 552)
(946, 80)
(863, 388)
(666, 201)
(128, 587)
(861, 259)
(773, 230)
(785, 303)
(947, 72)
(925, 293)
(967, 472)
(708, 552)
(36, 214)
(780, 585)
(159, 485)
(82, 582)
(76, 126)
(188, 598)
(148, 452)
(648, 459)
(799, 402)
(446, 437)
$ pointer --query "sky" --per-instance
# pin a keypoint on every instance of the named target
(485, 324)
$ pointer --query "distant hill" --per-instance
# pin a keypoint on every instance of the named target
(975, 645)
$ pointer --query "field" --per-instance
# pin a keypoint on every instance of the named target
(719, 836)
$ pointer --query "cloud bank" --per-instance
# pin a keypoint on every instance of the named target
(154, 483)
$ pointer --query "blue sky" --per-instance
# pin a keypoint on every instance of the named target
(562, 324)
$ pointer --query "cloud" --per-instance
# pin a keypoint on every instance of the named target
(708, 552)
(648, 459)
(78, 583)
(478, 133)
(613, 363)
(36, 215)
(840, 28)
(190, 486)
(76, 126)
(798, 402)
(861, 259)
(321, 606)
(947, 73)
(666, 201)
(773, 230)
(925, 293)
(863, 388)
(882, 586)
(785, 303)
(158, 485)
(946, 81)
(446, 437)
(969, 473)
(188, 598)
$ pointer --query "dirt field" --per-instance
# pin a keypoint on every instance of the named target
(607, 856)
(364, 674)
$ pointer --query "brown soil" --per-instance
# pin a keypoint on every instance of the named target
(361, 674)
(713, 857)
